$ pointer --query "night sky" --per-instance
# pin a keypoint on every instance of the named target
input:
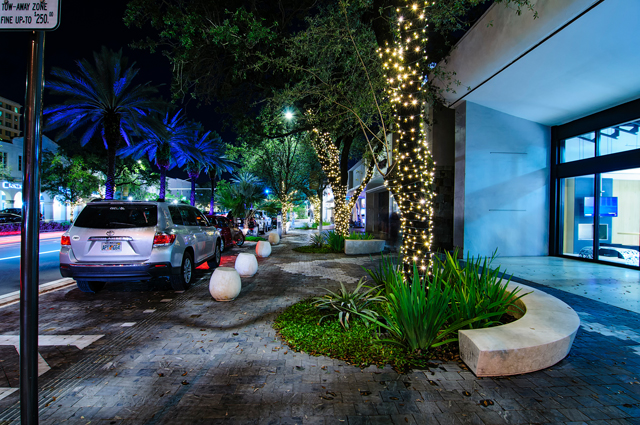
(84, 28)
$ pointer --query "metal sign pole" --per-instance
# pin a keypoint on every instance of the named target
(29, 248)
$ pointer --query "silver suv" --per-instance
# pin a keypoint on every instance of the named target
(128, 241)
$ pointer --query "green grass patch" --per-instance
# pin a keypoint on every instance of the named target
(301, 329)
(254, 238)
(315, 250)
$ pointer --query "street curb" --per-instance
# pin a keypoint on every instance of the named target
(14, 297)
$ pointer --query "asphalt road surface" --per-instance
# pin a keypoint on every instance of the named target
(10, 263)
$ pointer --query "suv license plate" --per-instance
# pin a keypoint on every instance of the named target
(112, 246)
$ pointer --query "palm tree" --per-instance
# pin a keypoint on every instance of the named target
(167, 143)
(210, 160)
(102, 100)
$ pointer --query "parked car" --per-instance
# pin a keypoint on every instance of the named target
(263, 221)
(16, 211)
(9, 218)
(132, 241)
(230, 234)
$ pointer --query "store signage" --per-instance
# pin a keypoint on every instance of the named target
(33, 15)
(9, 185)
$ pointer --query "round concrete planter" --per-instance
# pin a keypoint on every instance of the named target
(263, 249)
(225, 284)
(274, 238)
(246, 264)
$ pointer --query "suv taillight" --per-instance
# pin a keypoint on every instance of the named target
(163, 239)
(65, 241)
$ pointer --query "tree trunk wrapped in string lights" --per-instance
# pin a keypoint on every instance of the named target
(412, 178)
(329, 157)
(316, 202)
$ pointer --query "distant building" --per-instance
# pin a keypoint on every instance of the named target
(10, 126)
(11, 154)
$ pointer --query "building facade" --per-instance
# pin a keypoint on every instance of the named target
(543, 139)
(10, 114)
(11, 181)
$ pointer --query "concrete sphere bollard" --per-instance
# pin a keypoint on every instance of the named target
(225, 284)
(274, 238)
(263, 249)
(246, 264)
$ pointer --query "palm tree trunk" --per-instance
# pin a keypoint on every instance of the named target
(112, 136)
(163, 182)
(212, 202)
(193, 176)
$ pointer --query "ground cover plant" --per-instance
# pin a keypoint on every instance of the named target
(254, 238)
(402, 323)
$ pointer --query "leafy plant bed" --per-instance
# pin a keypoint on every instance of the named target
(254, 238)
(45, 226)
(309, 249)
(301, 328)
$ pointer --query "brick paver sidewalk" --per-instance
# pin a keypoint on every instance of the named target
(174, 358)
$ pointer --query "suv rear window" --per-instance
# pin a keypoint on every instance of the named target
(117, 216)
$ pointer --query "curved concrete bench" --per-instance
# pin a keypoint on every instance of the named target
(540, 338)
(360, 246)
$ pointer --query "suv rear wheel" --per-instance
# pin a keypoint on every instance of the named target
(182, 281)
(90, 286)
(214, 261)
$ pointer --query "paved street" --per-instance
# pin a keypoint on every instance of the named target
(144, 354)
(10, 261)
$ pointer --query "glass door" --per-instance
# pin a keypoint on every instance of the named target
(620, 217)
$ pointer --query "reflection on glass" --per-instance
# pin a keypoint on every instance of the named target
(620, 213)
(579, 147)
(577, 217)
(620, 138)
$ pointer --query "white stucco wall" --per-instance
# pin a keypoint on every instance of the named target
(504, 161)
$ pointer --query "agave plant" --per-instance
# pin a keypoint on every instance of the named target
(389, 272)
(345, 304)
(478, 291)
(335, 240)
(317, 240)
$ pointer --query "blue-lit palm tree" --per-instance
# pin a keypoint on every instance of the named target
(168, 142)
(102, 100)
(210, 157)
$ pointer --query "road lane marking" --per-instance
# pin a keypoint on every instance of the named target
(17, 256)
(80, 341)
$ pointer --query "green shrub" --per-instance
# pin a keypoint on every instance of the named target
(335, 240)
(344, 304)
(360, 236)
(254, 238)
(477, 291)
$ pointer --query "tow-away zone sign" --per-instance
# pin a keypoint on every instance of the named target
(26, 16)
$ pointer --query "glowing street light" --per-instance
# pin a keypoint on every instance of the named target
(288, 115)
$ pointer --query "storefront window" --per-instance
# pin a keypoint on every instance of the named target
(577, 218)
(576, 148)
(620, 138)
(620, 216)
